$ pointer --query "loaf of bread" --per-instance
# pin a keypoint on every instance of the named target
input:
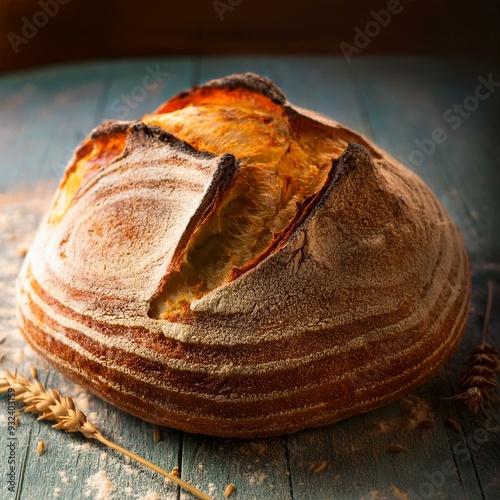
(236, 266)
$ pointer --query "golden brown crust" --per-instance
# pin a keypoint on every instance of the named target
(363, 299)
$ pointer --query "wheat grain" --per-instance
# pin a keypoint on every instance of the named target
(40, 448)
(156, 435)
(319, 467)
(454, 425)
(229, 490)
(61, 409)
(479, 380)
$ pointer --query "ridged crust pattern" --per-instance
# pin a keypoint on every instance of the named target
(365, 298)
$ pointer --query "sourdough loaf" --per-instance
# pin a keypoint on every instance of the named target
(236, 266)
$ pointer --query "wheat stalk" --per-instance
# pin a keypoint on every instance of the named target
(479, 379)
(61, 409)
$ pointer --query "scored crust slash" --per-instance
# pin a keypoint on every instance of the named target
(234, 265)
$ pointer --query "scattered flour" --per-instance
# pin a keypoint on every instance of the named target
(374, 495)
(99, 486)
(81, 447)
(257, 478)
(19, 356)
(416, 410)
(151, 495)
(93, 417)
(131, 470)
(64, 478)
(258, 447)
(82, 402)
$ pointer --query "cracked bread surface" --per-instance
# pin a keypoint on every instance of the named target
(357, 293)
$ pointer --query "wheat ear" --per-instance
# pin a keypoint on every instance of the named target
(61, 409)
(480, 380)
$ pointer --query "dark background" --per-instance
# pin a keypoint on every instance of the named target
(94, 29)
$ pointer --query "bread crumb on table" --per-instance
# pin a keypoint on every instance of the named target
(156, 435)
(401, 495)
(454, 425)
(40, 447)
(229, 490)
(318, 467)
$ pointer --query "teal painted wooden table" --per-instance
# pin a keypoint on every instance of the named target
(439, 117)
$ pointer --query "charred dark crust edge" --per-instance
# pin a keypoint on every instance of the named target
(138, 132)
(108, 128)
(354, 157)
(250, 81)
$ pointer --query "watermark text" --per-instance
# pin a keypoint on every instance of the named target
(11, 440)
(31, 27)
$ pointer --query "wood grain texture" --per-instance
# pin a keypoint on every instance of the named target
(365, 473)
